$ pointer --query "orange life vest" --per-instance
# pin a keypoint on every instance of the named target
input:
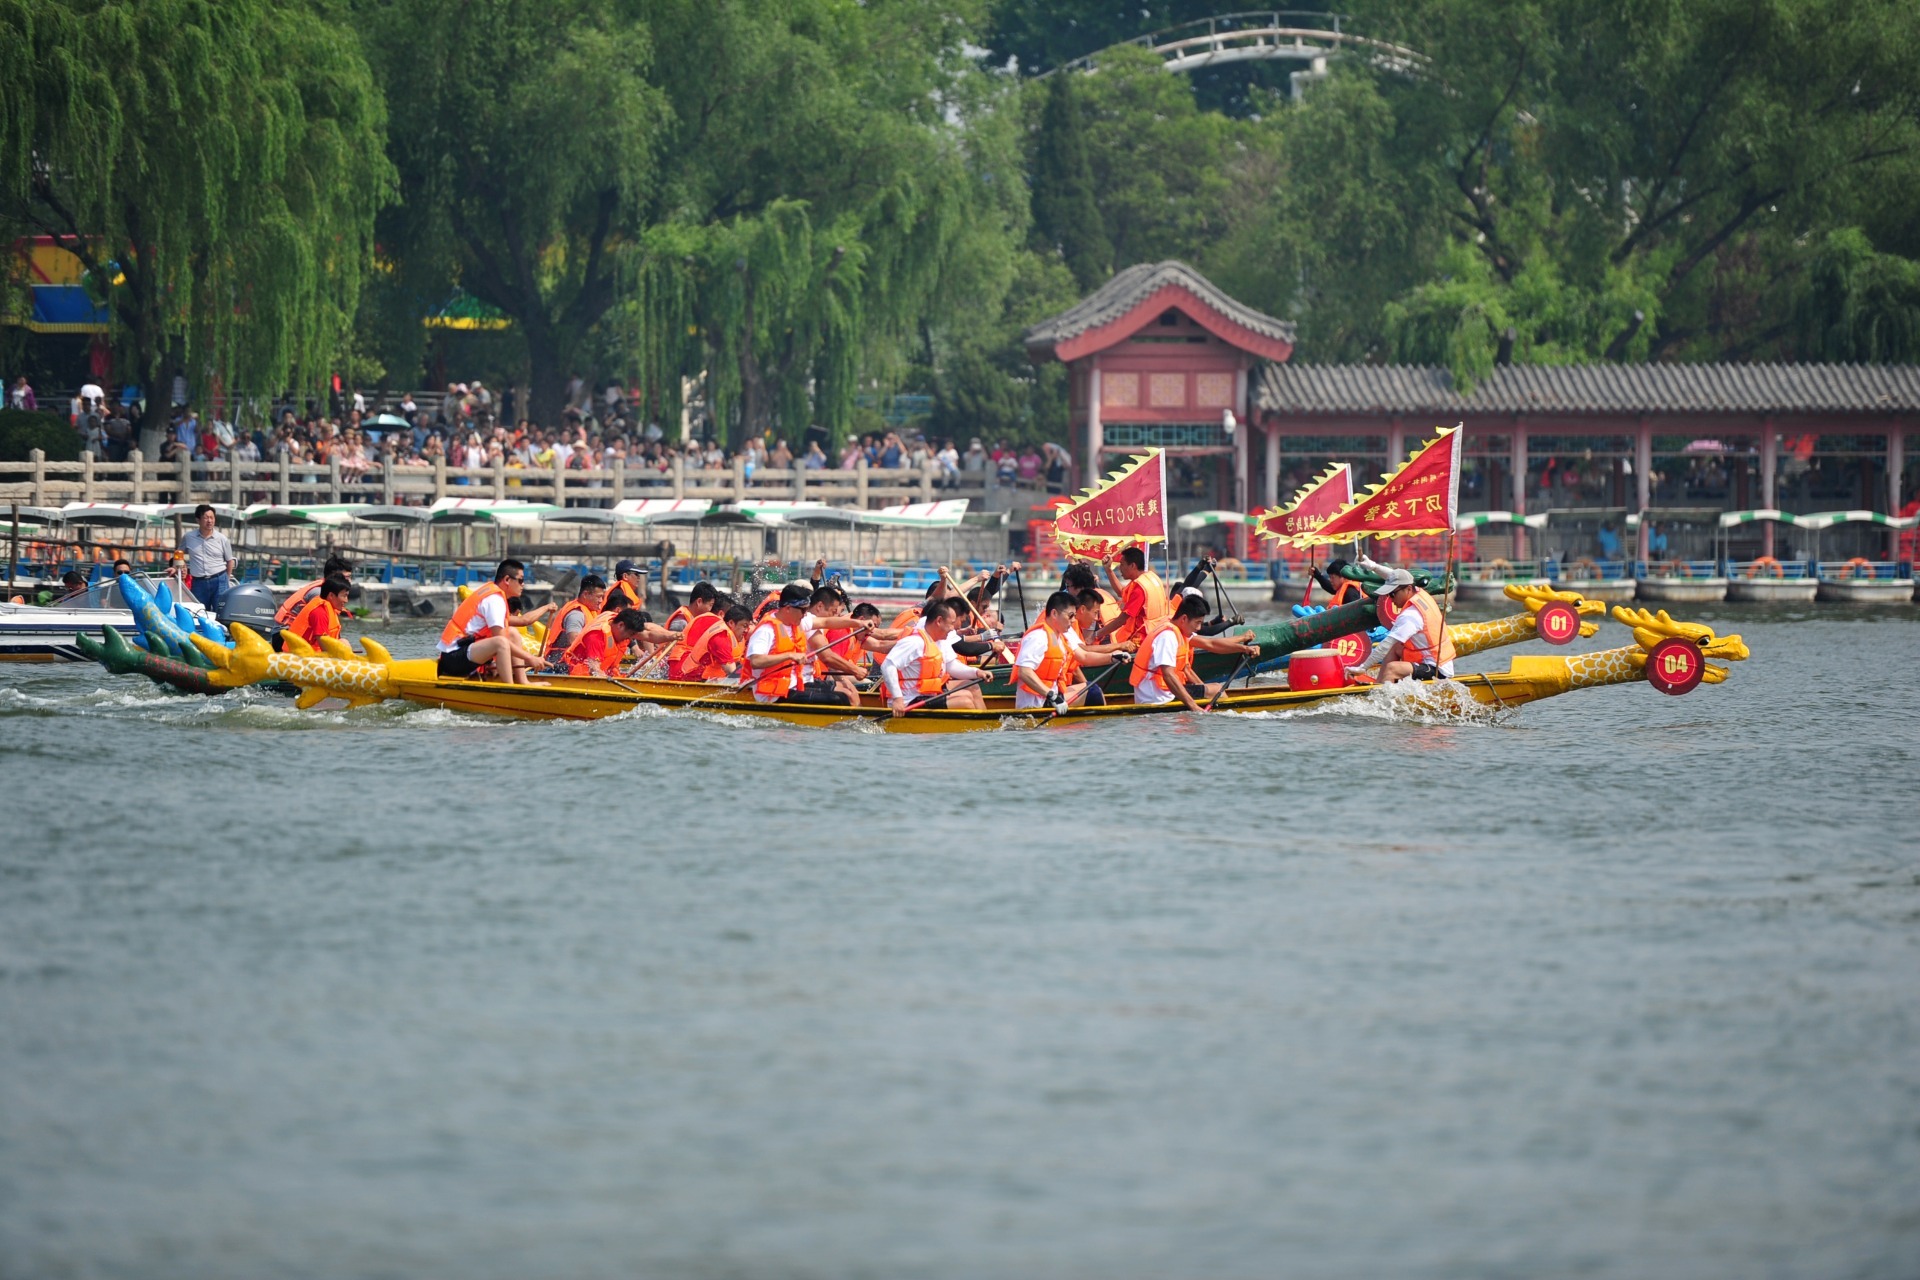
(292, 605)
(556, 631)
(847, 645)
(678, 645)
(464, 613)
(1109, 607)
(933, 667)
(633, 601)
(701, 663)
(1433, 644)
(779, 680)
(685, 658)
(1053, 668)
(328, 617)
(906, 618)
(1143, 659)
(610, 655)
(1154, 605)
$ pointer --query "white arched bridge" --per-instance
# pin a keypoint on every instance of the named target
(1271, 35)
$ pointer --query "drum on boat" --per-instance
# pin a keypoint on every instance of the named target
(1316, 669)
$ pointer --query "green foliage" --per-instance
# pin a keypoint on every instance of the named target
(524, 134)
(1066, 214)
(1858, 305)
(221, 162)
(22, 431)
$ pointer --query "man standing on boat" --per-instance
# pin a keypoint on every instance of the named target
(210, 561)
(919, 665)
(481, 632)
(1143, 600)
(1417, 642)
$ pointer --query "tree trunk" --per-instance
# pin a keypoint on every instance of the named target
(549, 361)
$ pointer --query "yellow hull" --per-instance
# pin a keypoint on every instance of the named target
(590, 699)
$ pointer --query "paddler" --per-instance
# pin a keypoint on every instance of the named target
(570, 620)
(1143, 598)
(602, 643)
(320, 616)
(481, 631)
(916, 670)
(716, 654)
(1078, 578)
(629, 589)
(705, 609)
(1044, 673)
(1163, 667)
(839, 658)
(1089, 609)
(777, 654)
(1418, 643)
(335, 567)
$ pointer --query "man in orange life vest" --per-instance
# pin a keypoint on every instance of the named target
(917, 668)
(1143, 600)
(629, 589)
(320, 616)
(603, 643)
(777, 654)
(1417, 642)
(839, 656)
(573, 617)
(1044, 671)
(481, 632)
(1163, 666)
(704, 609)
(716, 654)
(335, 567)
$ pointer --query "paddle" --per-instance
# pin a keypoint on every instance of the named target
(925, 698)
(1115, 665)
(1020, 593)
(767, 670)
(1221, 691)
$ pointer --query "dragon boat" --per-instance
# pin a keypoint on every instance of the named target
(1675, 657)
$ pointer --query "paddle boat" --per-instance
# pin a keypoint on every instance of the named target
(1672, 656)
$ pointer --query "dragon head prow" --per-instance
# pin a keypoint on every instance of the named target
(1649, 629)
(375, 651)
(1536, 595)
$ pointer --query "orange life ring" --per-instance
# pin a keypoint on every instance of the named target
(1230, 568)
(1774, 567)
(1592, 571)
(1859, 563)
(1673, 569)
(1502, 565)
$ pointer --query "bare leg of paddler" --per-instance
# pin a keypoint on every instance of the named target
(967, 699)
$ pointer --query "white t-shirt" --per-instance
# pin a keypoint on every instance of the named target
(900, 669)
(490, 616)
(1166, 653)
(1032, 652)
(1408, 627)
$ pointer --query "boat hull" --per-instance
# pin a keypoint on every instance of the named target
(1866, 590)
(1681, 590)
(1772, 590)
(29, 633)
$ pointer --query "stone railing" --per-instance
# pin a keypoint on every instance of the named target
(41, 483)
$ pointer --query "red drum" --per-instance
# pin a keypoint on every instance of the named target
(1316, 669)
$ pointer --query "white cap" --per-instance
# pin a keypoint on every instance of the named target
(1395, 579)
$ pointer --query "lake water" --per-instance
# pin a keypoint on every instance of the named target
(1624, 986)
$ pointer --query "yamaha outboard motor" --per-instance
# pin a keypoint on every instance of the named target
(253, 604)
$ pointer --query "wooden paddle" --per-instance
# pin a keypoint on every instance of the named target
(765, 671)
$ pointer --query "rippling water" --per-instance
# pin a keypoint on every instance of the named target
(1624, 986)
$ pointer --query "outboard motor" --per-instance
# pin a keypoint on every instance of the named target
(253, 604)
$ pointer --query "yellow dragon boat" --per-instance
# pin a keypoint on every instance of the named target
(1673, 656)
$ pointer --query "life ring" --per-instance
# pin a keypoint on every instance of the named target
(1588, 571)
(1858, 564)
(1673, 569)
(1230, 568)
(1498, 568)
(1773, 567)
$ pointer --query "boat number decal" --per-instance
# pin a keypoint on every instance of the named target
(1557, 622)
(1353, 649)
(1675, 666)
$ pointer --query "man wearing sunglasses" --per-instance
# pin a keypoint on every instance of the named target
(481, 632)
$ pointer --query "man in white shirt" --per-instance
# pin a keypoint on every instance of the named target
(1417, 643)
(1044, 671)
(1163, 670)
(916, 670)
(481, 631)
(210, 559)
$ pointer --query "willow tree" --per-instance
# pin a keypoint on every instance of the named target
(524, 133)
(814, 199)
(220, 163)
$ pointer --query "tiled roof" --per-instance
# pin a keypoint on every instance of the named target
(1129, 288)
(1595, 388)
